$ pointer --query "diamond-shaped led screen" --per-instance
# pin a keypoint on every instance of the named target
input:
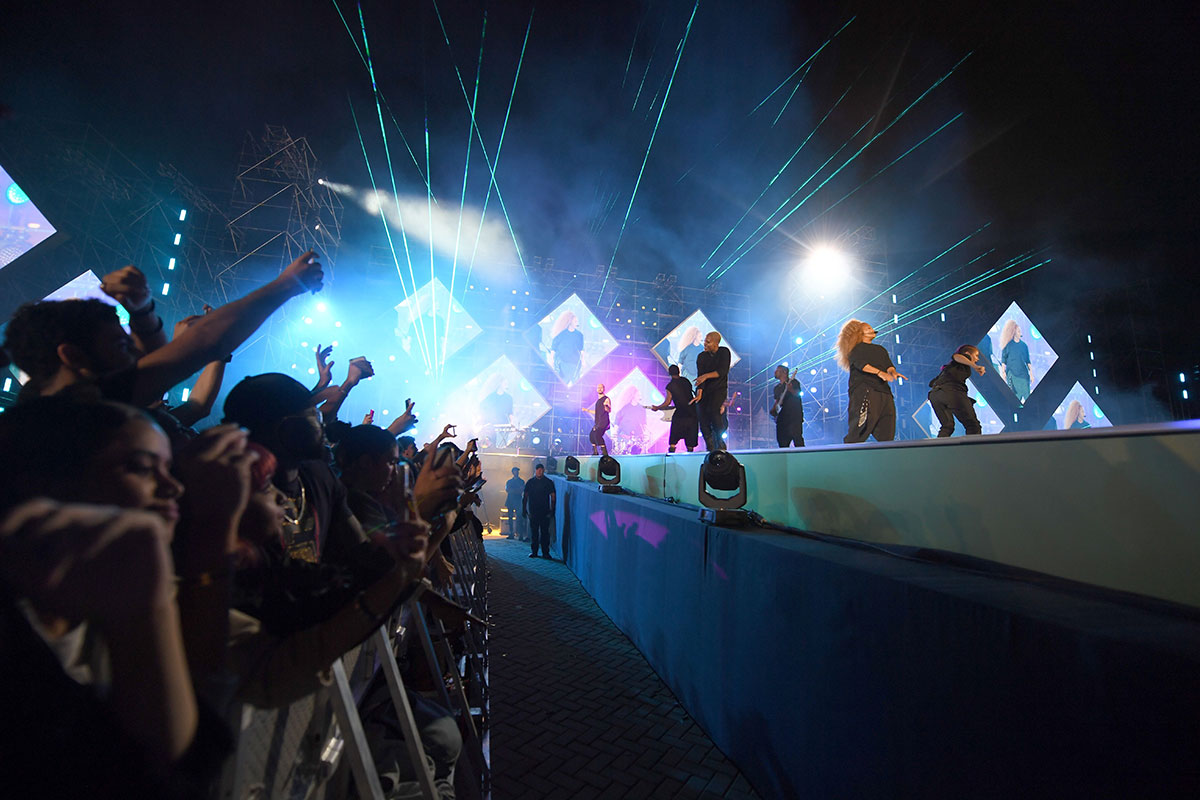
(86, 286)
(22, 226)
(684, 343)
(989, 420)
(1079, 410)
(1018, 352)
(498, 405)
(571, 340)
(635, 428)
(432, 326)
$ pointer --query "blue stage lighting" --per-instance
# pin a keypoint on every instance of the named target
(178, 237)
(166, 288)
(182, 214)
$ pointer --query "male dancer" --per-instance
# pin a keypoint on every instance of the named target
(601, 413)
(684, 424)
(712, 379)
(788, 410)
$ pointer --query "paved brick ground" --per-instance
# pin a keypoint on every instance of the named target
(576, 711)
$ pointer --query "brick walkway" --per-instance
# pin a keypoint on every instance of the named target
(577, 713)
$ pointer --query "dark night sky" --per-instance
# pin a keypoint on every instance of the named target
(1078, 128)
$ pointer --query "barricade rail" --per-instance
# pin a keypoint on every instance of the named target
(315, 746)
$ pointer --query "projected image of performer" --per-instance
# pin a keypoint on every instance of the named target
(631, 416)
(566, 347)
(871, 407)
(600, 412)
(684, 423)
(787, 409)
(1015, 365)
(1076, 418)
(691, 344)
(496, 411)
(712, 381)
(948, 392)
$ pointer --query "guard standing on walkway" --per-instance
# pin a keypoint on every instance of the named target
(537, 505)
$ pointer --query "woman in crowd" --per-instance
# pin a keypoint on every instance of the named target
(871, 407)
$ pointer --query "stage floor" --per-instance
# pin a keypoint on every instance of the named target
(1110, 507)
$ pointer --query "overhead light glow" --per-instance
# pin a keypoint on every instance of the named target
(826, 269)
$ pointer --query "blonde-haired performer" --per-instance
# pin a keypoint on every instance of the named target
(948, 392)
(1016, 367)
(1075, 418)
(871, 407)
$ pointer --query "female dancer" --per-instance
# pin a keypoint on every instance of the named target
(948, 392)
(1016, 367)
(872, 409)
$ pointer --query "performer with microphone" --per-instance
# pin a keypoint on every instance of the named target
(601, 414)
(871, 406)
(712, 381)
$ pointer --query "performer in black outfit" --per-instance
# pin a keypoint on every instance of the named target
(788, 410)
(684, 423)
(601, 413)
(537, 505)
(712, 381)
(948, 393)
(871, 408)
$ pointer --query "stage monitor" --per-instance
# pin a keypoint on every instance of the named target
(1018, 352)
(635, 428)
(684, 343)
(571, 340)
(22, 226)
(432, 326)
(1078, 411)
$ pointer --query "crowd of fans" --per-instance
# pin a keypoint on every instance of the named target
(152, 575)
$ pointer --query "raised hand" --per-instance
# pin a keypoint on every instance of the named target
(435, 487)
(304, 274)
(324, 367)
(66, 558)
(128, 287)
(369, 417)
(215, 470)
(359, 369)
(406, 421)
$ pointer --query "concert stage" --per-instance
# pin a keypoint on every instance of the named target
(1112, 507)
(876, 668)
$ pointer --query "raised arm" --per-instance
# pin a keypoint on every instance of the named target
(129, 288)
(218, 334)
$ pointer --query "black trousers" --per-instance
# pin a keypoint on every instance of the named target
(872, 413)
(539, 531)
(712, 422)
(789, 433)
(949, 405)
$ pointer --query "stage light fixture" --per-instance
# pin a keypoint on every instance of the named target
(16, 195)
(571, 468)
(722, 472)
(826, 268)
(608, 474)
(537, 440)
(552, 465)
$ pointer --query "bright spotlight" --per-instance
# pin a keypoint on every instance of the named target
(826, 268)
(322, 307)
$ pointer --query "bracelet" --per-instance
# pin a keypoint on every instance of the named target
(143, 311)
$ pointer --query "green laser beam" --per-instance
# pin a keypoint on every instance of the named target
(499, 147)
(847, 163)
(483, 147)
(641, 172)
(780, 172)
(806, 62)
(387, 232)
(391, 170)
(462, 200)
